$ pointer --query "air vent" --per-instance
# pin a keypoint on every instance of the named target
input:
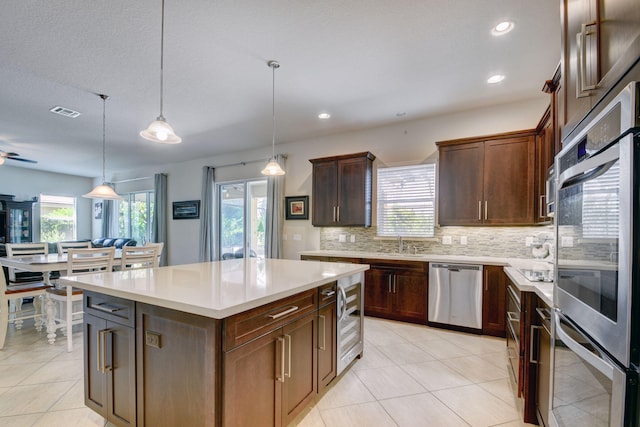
(67, 112)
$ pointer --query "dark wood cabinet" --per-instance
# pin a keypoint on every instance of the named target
(487, 180)
(327, 336)
(545, 152)
(600, 43)
(342, 190)
(397, 290)
(16, 221)
(110, 364)
(178, 369)
(494, 301)
(271, 362)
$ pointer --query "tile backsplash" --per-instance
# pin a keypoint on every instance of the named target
(480, 241)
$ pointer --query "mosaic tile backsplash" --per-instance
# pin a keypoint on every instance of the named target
(481, 241)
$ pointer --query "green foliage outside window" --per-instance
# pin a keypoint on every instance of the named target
(57, 225)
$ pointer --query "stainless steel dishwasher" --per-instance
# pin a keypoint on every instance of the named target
(455, 295)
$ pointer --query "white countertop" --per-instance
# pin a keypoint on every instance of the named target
(543, 290)
(216, 289)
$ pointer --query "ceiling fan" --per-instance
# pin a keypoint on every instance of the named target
(13, 156)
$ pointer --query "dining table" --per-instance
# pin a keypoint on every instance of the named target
(46, 264)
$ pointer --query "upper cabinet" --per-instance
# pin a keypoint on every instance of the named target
(487, 180)
(342, 190)
(600, 42)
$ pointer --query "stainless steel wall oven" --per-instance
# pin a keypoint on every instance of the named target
(597, 294)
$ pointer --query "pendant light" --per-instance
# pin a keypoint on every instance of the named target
(273, 168)
(103, 191)
(159, 130)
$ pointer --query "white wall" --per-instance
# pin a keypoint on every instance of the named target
(28, 183)
(405, 142)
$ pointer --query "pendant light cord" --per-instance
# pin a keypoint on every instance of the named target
(162, 60)
(273, 111)
(104, 137)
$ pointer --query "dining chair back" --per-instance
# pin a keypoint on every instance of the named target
(64, 305)
(141, 256)
(63, 247)
(25, 249)
(14, 294)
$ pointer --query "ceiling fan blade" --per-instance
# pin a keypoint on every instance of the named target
(21, 160)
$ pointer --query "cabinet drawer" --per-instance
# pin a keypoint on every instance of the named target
(419, 266)
(244, 327)
(327, 293)
(107, 307)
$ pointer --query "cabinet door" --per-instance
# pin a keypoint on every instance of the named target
(121, 379)
(410, 294)
(377, 292)
(95, 382)
(545, 151)
(508, 181)
(252, 383)
(325, 193)
(354, 192)
(460, 184)
(494, 301)
(544, 376)
(577, 13)
(301, 375)
(327, 351)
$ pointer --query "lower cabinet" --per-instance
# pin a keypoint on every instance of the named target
(110, 368)
(397, 290)
(494, 301)
(288, 355)
(327, 336)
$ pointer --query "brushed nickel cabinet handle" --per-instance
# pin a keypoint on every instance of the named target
(288, 372)
(283, 313)
(334, 214)
(323, 347)
(282, 356)
(486, 280)
(541, 209)
(479, 210)
(389, 282)
(486, 210)
(534, 328)
(338, 215)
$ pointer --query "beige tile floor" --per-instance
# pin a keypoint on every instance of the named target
(410, 376)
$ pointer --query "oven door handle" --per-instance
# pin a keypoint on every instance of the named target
(591, 168)
(599, 363)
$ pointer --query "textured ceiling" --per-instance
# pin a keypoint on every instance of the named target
(363, 61)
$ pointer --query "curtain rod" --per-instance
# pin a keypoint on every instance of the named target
(131, 180)
(245, 163)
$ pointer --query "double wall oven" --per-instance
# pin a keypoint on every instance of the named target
(597, 297)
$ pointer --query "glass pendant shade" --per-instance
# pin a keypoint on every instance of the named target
(1, 160)
(160, 131)
(272, 169)
(103, 191)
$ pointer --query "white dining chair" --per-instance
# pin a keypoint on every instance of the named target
(139, 257)
(63, 247)
(17, 292)
(64, 305)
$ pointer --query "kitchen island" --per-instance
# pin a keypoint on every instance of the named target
(223, 343)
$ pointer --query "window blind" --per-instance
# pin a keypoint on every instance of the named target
(406, 200)
(601, 205)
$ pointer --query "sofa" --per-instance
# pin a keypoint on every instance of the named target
(118, 242)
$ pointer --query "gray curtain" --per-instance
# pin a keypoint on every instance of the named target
(160, 214)
(208, 247)
(275, 214)
(107, 215)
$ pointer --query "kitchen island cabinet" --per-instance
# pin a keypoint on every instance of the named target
(222, 343)
(487, 180)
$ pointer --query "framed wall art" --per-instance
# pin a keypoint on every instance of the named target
(189, 209)
(297, 207)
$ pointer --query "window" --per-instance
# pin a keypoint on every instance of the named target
(407, 200)
(135, 219)
(57, 218)
(242, 217)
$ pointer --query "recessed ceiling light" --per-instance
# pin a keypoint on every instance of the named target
(324, 116)
(496, 78)
(502, 28)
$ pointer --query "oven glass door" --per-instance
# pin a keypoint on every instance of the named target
(588, 387)
(593, 211)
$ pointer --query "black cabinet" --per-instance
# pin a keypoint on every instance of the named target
(16, 221)
(342, 190)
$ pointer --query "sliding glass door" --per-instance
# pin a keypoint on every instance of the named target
(242, 216)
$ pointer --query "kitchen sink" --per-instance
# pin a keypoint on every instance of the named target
(399, 255)
(537, 275)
